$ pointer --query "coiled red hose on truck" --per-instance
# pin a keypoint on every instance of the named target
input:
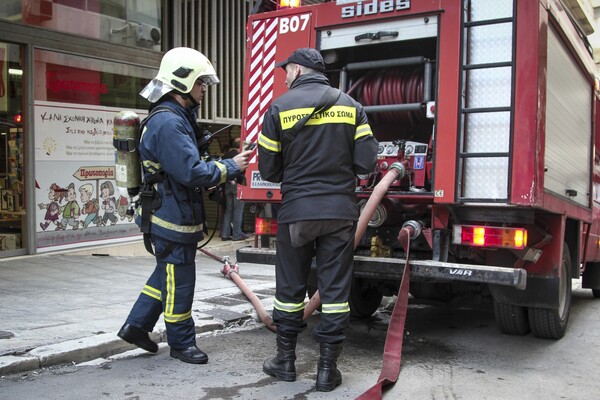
(391, 86)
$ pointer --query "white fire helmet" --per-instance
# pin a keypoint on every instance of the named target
(179, 69)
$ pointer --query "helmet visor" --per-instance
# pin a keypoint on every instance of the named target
(209, 80)
(155, 90)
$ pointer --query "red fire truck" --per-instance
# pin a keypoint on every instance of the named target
(493, 104)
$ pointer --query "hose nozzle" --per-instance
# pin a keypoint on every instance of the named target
(400, 166)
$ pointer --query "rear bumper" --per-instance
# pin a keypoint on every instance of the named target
(392, 269)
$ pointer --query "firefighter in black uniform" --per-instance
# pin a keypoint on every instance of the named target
(318, 214)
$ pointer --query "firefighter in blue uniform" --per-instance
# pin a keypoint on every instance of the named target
(318, 214)
(177, 175)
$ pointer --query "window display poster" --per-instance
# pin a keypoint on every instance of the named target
(77, 199)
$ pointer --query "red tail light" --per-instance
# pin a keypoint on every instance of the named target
(265, 226)
(489, 236)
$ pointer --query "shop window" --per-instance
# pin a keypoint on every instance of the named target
(76, 100)
(12, 208)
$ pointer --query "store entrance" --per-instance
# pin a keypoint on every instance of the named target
(12, 207)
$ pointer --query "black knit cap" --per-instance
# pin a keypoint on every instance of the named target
(306, 57)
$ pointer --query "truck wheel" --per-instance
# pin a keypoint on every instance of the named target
(551, 323)
(511, 319)
(364, 300)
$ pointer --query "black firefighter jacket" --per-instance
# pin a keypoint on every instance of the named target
(316, 169)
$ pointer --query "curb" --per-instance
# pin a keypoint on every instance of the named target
(90, 348)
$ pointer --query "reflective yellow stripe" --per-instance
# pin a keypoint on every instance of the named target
(223, 170)
(335, 308)
(288, 307)
(290, 117)
(363, 130)
(151, 166)
(171, 226)
(152, 292)
(173, 318)
(269, 144)
(170, 303)
(334, 115)
(169, 315)
(174, 227)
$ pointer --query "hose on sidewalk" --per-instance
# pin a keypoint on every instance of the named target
(231, 271)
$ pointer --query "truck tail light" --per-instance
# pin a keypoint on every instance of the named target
(489, 236)
(288, 4)
(265, 226)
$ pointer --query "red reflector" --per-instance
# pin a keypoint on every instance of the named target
(489, 236)
(265, 226)
(18, 118)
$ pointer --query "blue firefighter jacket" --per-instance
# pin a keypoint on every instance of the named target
(168, 143)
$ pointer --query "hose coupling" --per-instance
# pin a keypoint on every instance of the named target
(416, 226)
(228, 268)
(400, 167)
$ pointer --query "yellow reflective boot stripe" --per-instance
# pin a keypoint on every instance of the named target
(174, 318)
(288, 307)
(223, 170)
(363, 130)
(269, 144)
(335, 308)
(333, 115)
(152, 292)
(169, 316)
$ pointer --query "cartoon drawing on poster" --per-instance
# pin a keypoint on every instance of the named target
(70, 211)
(75, 162)
(108, 204)
(89, 206)
(56, 195)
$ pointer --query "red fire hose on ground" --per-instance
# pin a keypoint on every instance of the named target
(392, 351)
(232, 272)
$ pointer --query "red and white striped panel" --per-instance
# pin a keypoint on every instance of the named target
(262, 72)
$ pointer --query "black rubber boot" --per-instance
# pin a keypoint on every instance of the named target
(282, 365)
(328, 376)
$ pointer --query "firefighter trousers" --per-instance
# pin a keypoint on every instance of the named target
(331, 242)
(169, 290)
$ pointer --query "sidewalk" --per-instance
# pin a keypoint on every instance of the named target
(67, 307)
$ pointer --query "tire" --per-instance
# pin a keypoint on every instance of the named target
(551, 323)
(511, 319)
(364, 300)
(596, 292)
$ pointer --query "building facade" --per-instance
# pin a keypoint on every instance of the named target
(66, 68)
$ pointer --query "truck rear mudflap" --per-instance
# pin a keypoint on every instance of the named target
(392, 268)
